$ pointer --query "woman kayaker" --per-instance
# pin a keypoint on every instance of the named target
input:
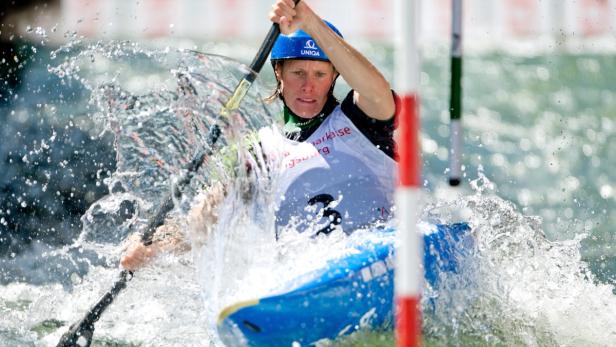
(336, 157)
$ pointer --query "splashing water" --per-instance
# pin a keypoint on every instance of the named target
(514, 288)
(159, 131)
(517, 288)
(160, 115)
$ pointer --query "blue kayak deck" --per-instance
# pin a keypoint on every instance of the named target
(352, 292)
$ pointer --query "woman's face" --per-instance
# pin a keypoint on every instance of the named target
(305, 85)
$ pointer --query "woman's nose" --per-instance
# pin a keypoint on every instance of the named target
(308, 84)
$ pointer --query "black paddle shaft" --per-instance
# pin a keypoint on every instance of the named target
(266, 47)
(264, 50)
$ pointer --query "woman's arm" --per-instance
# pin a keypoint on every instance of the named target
(170, 238)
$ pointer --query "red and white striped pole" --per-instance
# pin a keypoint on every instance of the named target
(409, 275)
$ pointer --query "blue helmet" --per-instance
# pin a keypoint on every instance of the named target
(299, 45)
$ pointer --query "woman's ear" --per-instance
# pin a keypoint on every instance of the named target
(336, 74)
(278, 70)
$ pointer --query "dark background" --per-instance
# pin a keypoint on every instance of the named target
(51, 165)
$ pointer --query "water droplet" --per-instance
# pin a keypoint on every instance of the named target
(41, 32)
(606, 191)
(75, 279)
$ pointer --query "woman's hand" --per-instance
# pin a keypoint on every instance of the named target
(167, 237)
(136, 254)
(291, 16)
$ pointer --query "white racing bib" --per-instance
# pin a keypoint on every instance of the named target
(336, 178)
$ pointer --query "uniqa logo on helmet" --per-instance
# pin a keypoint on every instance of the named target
(310, 49)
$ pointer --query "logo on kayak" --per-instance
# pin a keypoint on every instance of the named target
(311, 49)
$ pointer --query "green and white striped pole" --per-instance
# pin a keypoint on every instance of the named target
(455, 101)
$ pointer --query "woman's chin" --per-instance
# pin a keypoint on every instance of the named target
(307, 113)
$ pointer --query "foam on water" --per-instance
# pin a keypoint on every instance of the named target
(518, 288)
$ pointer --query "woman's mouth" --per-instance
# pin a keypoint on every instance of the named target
(306, 101)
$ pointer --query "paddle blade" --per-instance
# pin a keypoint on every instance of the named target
(236, 98)
(78, 335)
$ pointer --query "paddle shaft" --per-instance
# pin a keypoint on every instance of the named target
(80, 333)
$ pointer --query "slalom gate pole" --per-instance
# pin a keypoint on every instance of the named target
(455, 101)
(408, 275)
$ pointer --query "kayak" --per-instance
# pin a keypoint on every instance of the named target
(354, 291)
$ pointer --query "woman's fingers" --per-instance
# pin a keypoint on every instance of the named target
(137, 255)
(284, 13)
(280, 9)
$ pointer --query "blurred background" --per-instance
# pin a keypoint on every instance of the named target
(504, 24)
(539, 107)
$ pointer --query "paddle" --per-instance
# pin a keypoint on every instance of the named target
(81, 332)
